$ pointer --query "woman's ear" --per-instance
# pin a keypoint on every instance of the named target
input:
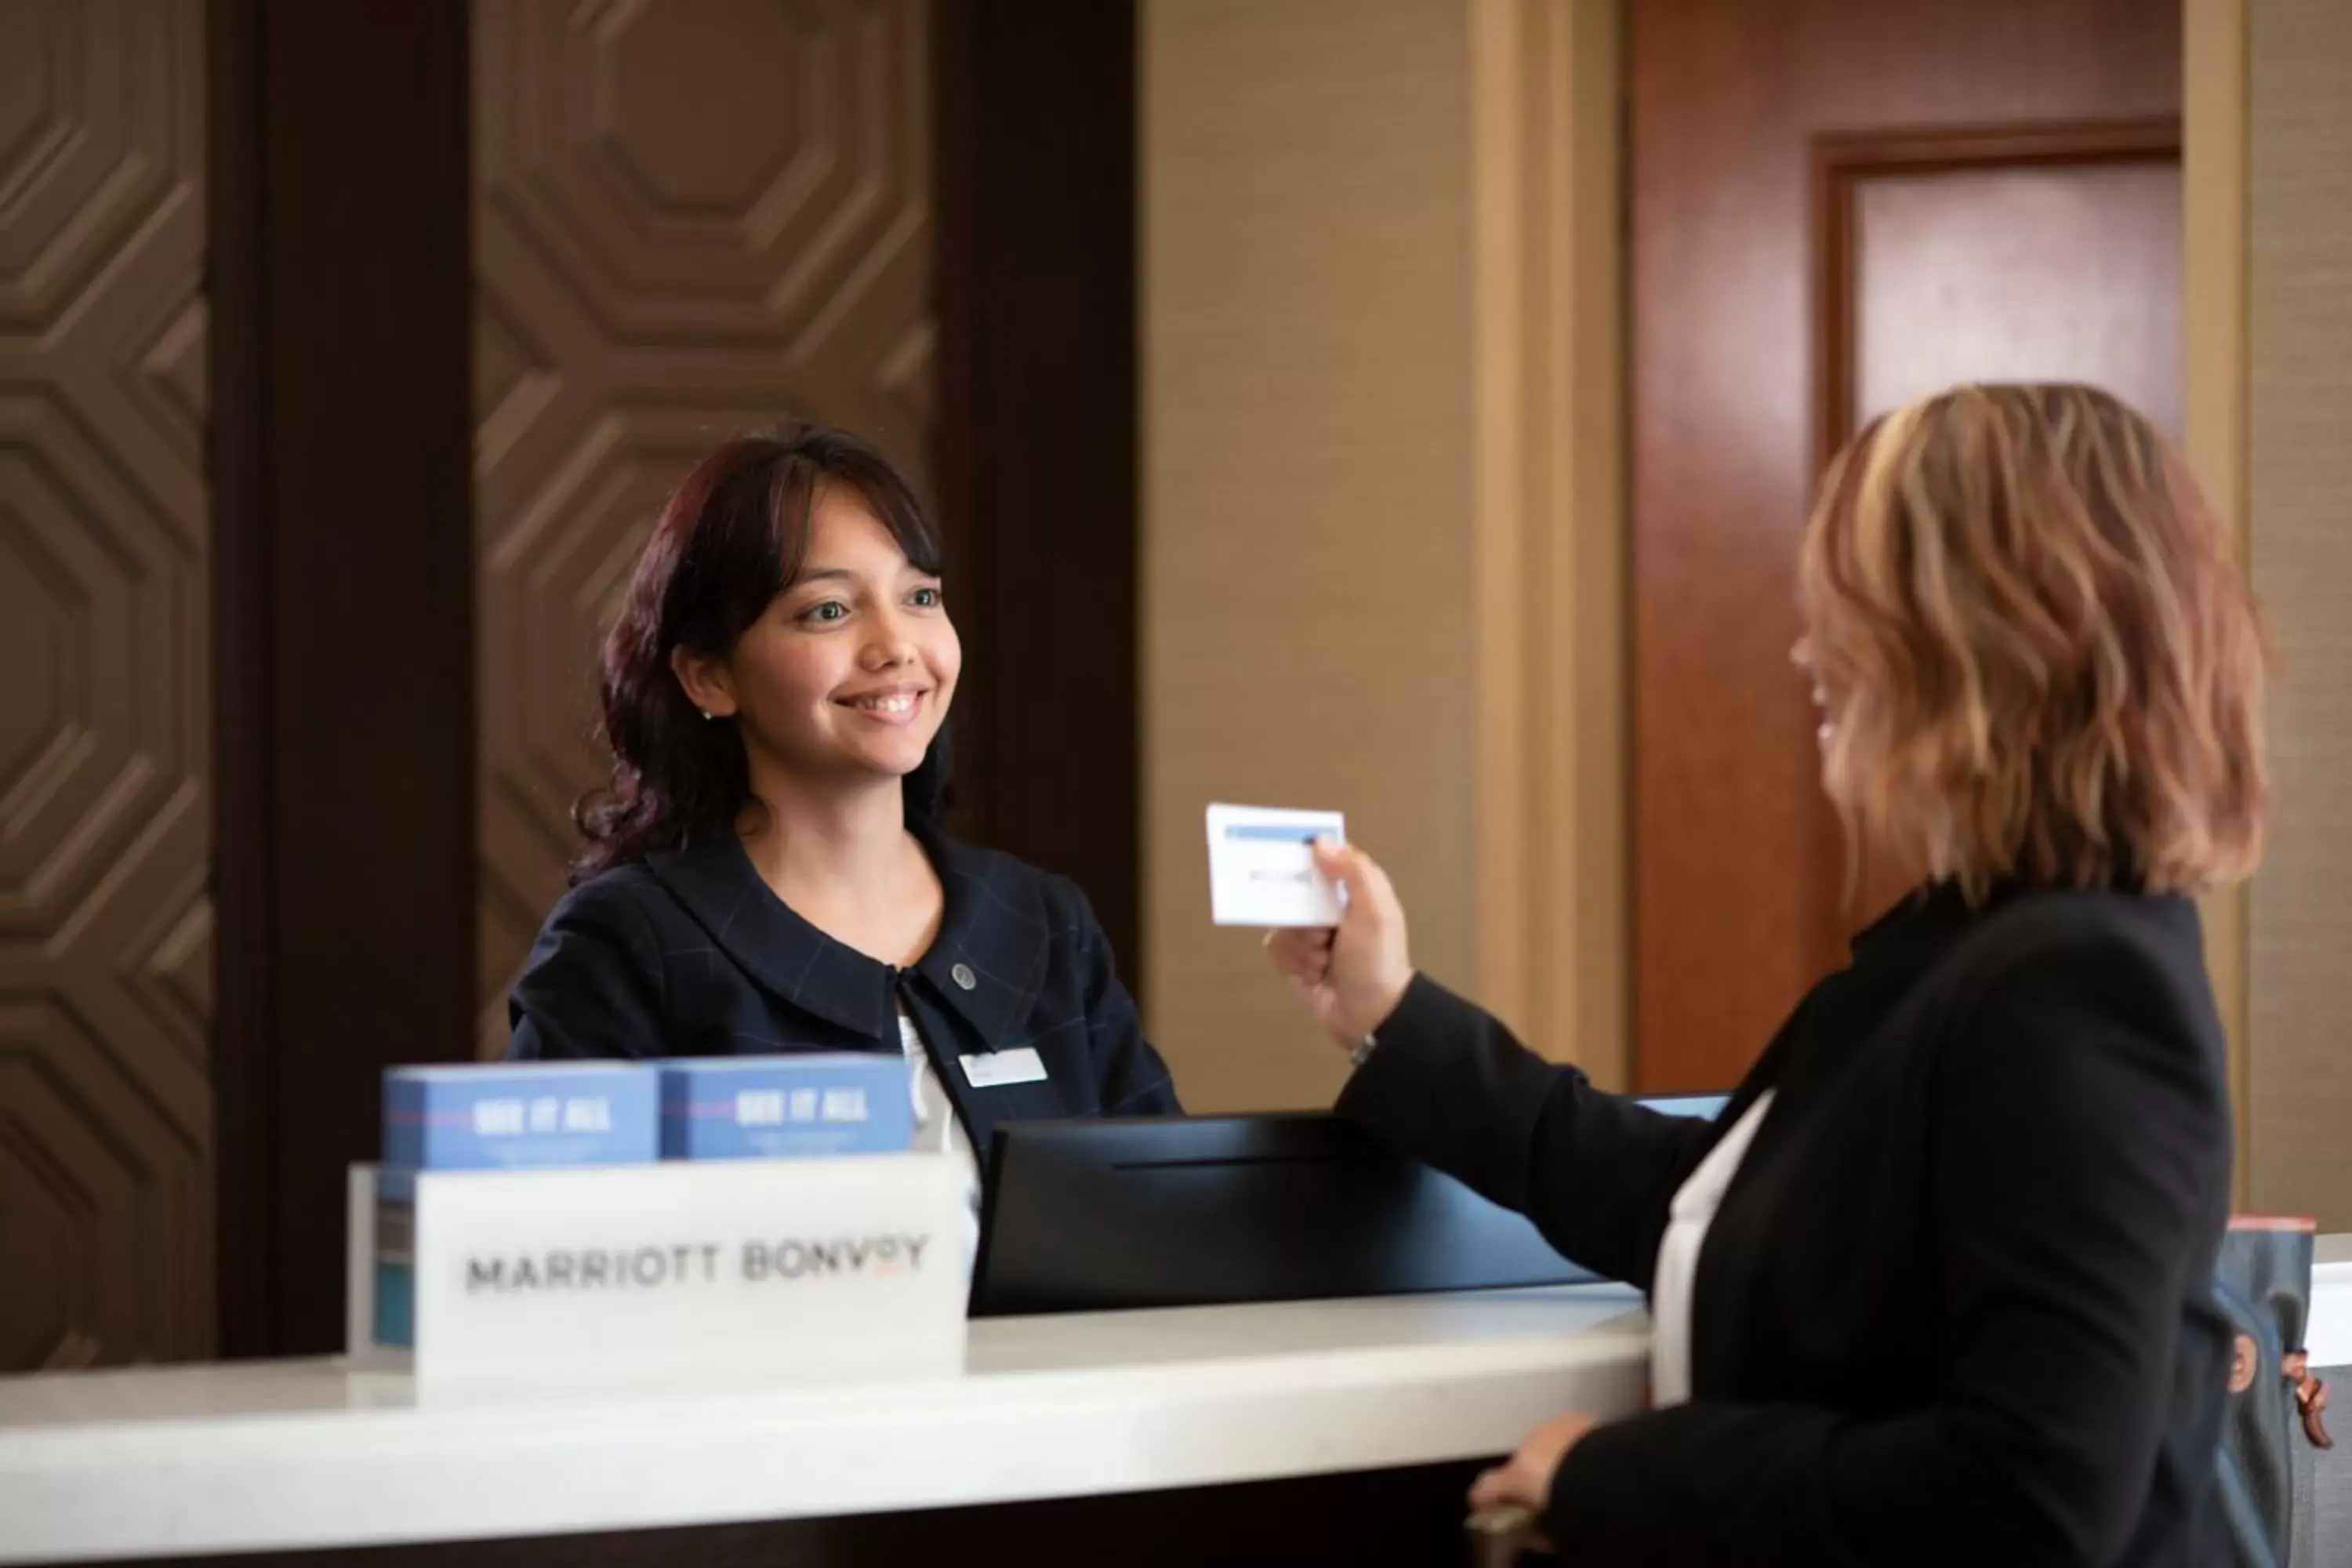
(705, 682)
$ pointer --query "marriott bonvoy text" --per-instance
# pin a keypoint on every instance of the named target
(687, 1263)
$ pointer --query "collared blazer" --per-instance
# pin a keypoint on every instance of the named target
(691, 954)
(1956, 1309)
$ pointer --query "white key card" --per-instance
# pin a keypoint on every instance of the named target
(1261, 870)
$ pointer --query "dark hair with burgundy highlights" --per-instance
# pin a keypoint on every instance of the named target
(734, 535)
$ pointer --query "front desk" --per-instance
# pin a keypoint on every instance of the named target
(1294, 1432)
(1301, 1431)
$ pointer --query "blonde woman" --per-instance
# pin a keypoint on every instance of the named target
(1936, 1286)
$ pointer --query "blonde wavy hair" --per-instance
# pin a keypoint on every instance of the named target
(2039, 660)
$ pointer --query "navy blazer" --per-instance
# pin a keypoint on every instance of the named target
(691, 954)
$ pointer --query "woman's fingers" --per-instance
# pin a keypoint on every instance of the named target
(1371, 964)
(1350, 978)
(1498, 1488)
(1301, 954)
(1370, 896)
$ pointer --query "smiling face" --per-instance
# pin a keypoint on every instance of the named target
(846, 675)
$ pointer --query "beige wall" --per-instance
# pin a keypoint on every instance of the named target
(1306, 518)
(2213, 320)
(2298, 478)
(2268, 181)
(1374, 576)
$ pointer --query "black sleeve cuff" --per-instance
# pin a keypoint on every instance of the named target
(1604, 1477)
(1447, 1084)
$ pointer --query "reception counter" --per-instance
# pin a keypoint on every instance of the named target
(1309, 1432)
(1222, 1413)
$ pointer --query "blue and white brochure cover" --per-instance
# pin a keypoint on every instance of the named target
(520, 1115)
(790, 1106)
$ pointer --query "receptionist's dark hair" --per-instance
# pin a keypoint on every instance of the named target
(732, 536)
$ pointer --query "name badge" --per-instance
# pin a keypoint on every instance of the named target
(995, 1069)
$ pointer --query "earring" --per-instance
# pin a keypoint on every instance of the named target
(706, 712)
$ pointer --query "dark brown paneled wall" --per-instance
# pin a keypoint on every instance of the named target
(106, 986)
(344, 621)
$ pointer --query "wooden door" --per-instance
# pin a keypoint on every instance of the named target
(1836, 208)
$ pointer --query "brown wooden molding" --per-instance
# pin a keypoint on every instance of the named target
(1034, 114)
(1844, 160)
(343, 576)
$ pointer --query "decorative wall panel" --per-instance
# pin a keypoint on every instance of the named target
(690, 218)
(106, 1105)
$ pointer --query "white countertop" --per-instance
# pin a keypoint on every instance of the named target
(255, 1455)
(250, 1456)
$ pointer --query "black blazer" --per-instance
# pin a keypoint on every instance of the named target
(692, 955)
(1956, 1307)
